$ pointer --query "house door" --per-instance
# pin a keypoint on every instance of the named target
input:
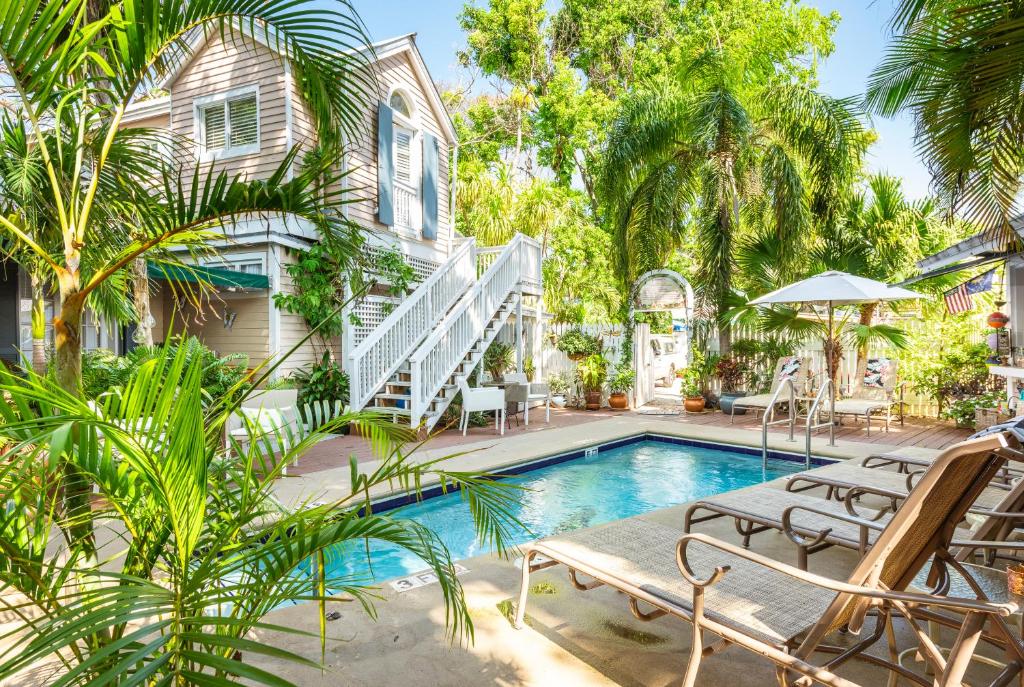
(643, 361)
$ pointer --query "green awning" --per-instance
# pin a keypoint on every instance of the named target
(218, 276)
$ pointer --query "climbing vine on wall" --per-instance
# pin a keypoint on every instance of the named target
(318, 277)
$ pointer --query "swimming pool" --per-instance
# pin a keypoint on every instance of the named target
(630, 478)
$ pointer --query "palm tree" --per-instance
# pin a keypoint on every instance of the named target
(203, 550)
(74, 68)
(879, 235)
(957, 66)
(711, 146)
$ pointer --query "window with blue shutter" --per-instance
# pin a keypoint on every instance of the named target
(430, 178)
(385, 165)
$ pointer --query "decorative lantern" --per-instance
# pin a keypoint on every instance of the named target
(997, 320)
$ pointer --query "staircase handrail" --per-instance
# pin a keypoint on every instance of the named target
(377, 357)
(506, 273)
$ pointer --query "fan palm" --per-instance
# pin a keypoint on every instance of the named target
(74, 66)
(957, 66)
(705, 154)
(201, 549)
(879, 235)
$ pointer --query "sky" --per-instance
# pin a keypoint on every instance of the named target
(860, 43)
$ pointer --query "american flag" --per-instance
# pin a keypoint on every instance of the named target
(959, 299)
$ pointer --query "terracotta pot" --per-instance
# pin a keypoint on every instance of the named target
(593, 399)
(694, 404)
(618, 401)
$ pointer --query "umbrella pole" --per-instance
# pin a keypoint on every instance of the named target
(831, 378)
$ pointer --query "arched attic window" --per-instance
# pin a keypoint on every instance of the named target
(401, 104)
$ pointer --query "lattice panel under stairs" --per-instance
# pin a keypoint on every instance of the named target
(421, 266)
(371, 311)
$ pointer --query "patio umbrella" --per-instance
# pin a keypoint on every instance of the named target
(831, 289)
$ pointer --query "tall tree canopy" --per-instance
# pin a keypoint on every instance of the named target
(957, 67)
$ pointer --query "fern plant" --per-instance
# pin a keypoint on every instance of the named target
(209, 550)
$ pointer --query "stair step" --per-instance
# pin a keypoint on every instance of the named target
(391, 397)
(399, 382)
(392, 410)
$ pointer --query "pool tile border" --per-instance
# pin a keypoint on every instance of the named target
(392, 502)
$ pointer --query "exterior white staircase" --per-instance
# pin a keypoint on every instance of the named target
(407, 366)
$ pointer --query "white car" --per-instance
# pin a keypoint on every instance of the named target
(667, 358)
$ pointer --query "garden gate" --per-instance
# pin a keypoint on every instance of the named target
(654, 291)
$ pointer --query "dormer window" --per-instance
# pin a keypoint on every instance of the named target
(400, 104)
(228, 123)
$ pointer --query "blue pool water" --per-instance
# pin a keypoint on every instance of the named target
(613, 484)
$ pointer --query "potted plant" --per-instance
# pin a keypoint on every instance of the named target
(499, 358)
(619, 384)
(730, 371)
(558, 383)
(693, 396)
(577, 345)
(529, 368)
(593, 371)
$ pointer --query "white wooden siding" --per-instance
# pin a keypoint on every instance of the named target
(223, 65)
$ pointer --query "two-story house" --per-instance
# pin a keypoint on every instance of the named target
(235, 103)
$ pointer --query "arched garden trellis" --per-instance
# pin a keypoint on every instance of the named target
(654, 291)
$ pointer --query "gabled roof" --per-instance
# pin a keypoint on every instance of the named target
(375, 52)
(975, 251)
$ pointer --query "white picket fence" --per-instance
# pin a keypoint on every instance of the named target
(553, 360)
(917, 405)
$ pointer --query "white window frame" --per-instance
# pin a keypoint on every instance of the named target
(199, 130)
(411, 125)
(232, 262)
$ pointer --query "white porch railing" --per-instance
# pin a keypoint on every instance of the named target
(375, 359)
(436, 359)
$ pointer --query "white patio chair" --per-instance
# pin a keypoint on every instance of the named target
(268, 412)
(535, 391)
(481, 400)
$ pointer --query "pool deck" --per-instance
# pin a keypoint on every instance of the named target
(323, 474)
(572, 637)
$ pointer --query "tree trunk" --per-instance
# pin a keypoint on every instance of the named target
(38, 324)
(67, 364)
(140, 294)
(867, 316)
(724, 339)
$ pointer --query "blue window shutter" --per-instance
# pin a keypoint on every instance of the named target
(385, 166)
(430, 171)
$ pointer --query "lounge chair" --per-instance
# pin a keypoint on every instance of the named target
(814, 524)
(840, 477)
(876, 392)
(781, 612)
(795, 368)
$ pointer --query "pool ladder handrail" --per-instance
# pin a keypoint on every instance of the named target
(812, 413)
(770, 412)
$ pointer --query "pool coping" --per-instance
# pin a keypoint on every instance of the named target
(395, 500)
(500, 454)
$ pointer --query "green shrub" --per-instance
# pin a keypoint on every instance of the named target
(321, 381)
(499, 358)
(577, 344)
(622, 379)
(962, 409)
(959, 373)
(102, 370)
(593, 371)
